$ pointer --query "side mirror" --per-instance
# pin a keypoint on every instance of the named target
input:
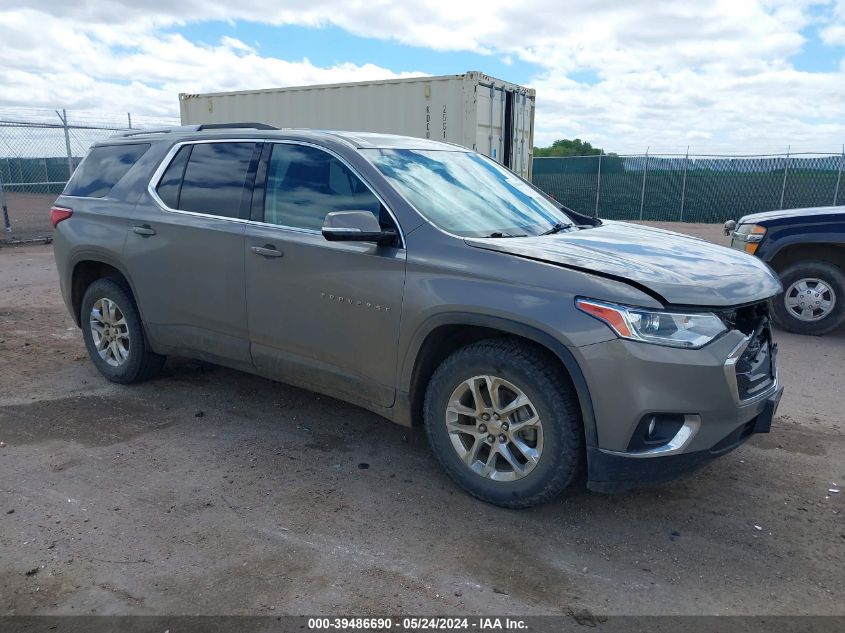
(355, 226)
(730, 225)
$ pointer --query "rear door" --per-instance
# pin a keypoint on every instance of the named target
(323, 315)
(185, 246)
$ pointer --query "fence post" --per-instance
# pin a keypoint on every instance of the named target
(598, 187)
(7, 226)
(129, 118)
(63, 117)
(785, 173)
(839, 177)
(492, 154)
(642, 193)
(684, 185)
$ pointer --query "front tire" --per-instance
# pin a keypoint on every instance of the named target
(504, 422)
(813, 300)
(114, 334)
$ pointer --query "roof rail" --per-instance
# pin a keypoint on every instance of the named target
(225, 126)
(158, 130)
(196, 128)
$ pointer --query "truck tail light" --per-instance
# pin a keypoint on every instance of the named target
(57, 214)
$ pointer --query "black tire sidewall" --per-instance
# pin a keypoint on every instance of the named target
(560, 461)
(133, 368)
(831, 275)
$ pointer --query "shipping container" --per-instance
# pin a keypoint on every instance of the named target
(466, 109)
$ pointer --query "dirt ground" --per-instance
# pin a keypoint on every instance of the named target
(212, 491)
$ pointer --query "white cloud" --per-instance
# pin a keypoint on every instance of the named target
(834, 33)
(670, 73)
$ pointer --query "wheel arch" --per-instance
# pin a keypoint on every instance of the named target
(86, 269)
(796, 252)
(442, 334)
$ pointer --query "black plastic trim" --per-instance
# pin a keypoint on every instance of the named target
(229, 126)
(249, 183)
(259, 191)
(617, 473)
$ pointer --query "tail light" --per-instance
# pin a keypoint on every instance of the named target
(57, 214)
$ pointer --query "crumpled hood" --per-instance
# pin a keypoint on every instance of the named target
(682, 270)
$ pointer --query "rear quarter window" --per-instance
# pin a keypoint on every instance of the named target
(102, 169)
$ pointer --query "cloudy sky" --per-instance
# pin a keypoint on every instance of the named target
(736, 75)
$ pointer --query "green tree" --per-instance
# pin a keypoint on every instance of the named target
(567, 147)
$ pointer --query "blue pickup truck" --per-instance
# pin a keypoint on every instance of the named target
(806, 248)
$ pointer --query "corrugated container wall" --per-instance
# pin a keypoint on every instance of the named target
(464, 109)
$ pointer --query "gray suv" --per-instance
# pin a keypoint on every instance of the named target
(428, 284)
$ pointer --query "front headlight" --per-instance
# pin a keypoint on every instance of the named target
(676, 329)
(751, 234)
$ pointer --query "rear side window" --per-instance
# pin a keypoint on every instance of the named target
(214, 179)
(102, 169)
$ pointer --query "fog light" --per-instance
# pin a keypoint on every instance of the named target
(655, 429)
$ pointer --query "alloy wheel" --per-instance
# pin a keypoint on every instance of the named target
(110, 332)
(494, 428)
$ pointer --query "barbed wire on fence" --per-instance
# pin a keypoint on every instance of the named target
(690, 187)
(85, 118)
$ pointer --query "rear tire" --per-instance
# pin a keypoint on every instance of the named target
(114, 334)
(536, 450)
(813, 301)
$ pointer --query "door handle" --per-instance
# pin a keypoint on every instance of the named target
(146, 230)
(268, 250)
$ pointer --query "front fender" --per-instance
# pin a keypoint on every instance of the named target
(783, 237)
(558, 348)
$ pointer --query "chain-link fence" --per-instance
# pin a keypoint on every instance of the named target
(689, 188)
(39, 149)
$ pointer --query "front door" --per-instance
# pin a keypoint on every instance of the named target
(322, 315)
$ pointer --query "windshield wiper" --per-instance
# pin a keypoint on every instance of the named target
(557, 228)
(500, 234)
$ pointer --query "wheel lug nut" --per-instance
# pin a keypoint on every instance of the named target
(504, 426)
(482, 428)
(485, 416)
(491, 438)
(495, 416)
(503, 438)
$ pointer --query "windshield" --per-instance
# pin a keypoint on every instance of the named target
(467, 194)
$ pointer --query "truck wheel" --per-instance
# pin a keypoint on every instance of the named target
(114, 336)
(504, 423)
(813, 300)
